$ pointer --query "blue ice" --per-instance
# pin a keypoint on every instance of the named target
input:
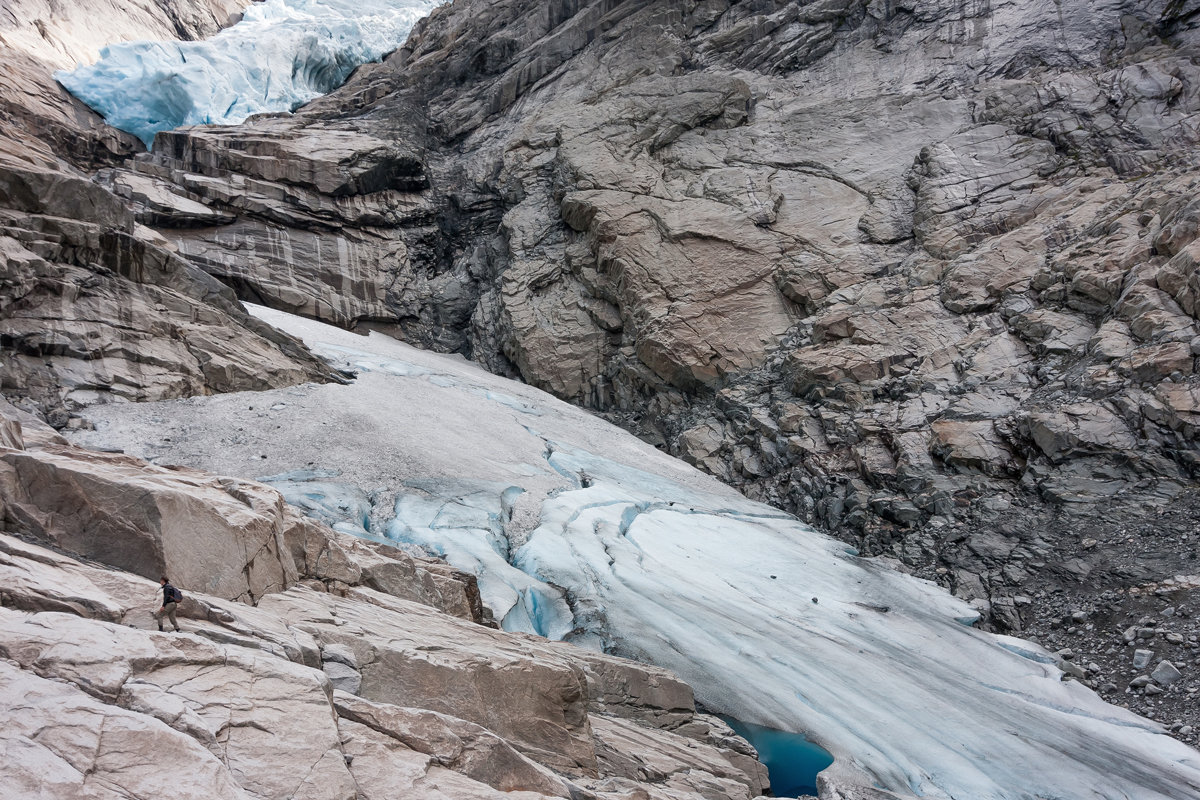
(282, 54)
(336, 504)
(463, 521)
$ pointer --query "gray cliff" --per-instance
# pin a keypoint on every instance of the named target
(924, 274)
(894, 268)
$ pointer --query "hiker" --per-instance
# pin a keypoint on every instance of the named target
(171, 599)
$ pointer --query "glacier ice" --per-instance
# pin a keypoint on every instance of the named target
(461, 521)
(330, 501)
(578, 530)
(282, 54)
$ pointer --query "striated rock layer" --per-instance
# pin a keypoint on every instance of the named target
(358, 673)
(95, 306)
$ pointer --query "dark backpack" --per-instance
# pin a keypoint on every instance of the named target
(176, 596)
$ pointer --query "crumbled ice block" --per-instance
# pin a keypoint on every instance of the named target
(282, 54)
(512, 402)
(461, 521)
(328, 501)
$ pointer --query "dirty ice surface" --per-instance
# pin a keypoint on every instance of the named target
(282, 54)
(578, 530)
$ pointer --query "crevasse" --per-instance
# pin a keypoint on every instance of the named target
(282, 54)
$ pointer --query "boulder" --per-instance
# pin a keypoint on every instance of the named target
(672, 761)
(1180, 409)
(383, 768)
(219, 536)
(341, 560)
(1152, 363)
(701, 446)
(453, 744)
(500, 681)
(1053, 331)
(1077, 429)
(1166, 674)
(651, 696)
(971, 446)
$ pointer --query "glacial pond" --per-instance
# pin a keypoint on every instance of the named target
(792, 761)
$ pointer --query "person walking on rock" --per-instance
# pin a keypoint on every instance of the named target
(171, 599)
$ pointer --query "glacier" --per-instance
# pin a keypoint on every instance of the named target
(579, 531)
(282, 54)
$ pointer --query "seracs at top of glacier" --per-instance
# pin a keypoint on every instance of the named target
(282, 54)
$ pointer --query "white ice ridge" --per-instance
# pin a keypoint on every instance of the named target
(281, 55)
(580, 531)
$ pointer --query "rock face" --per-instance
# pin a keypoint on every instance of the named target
(93, 305)
(868, 262)
(245, 704)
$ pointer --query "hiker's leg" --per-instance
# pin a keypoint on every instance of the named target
(171, 615)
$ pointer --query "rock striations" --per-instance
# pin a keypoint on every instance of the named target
(924, 274)
(904, 270)
(312, 664)
(93, 304)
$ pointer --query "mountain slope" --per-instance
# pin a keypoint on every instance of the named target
(870, 263)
